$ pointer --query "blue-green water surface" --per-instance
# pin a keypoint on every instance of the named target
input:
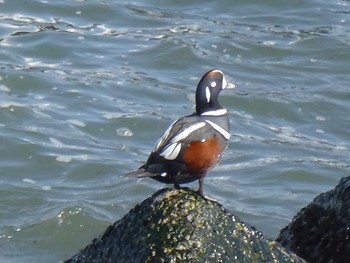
(87, 88)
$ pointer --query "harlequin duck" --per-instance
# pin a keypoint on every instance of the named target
(193, 144)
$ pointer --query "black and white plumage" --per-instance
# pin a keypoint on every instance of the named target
(193, 144)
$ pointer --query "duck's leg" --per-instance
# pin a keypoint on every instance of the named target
(201, 183)
(200, 190)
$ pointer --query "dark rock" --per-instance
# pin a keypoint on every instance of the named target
(321, 231)
(182, 226)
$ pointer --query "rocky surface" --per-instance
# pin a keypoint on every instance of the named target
(179, 225)
(320, 232)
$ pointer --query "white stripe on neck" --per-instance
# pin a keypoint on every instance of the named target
(218, 128)
(215, 112)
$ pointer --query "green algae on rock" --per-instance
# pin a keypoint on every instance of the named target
(179, 225)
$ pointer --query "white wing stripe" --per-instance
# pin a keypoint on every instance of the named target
(182, 135)
(164, 136)
(171, 152)
(221, 130)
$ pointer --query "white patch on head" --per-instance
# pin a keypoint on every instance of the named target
(224, 82)
(207, 94)
(163, 174)
(183, 134)
(171, 152)
(221, 130)
(213, 84)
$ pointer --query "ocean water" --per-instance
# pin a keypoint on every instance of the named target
(87, 88)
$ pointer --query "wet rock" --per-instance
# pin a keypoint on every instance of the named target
(179, 225)
(320, 232)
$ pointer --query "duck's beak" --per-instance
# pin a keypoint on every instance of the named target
(230, 85)
(227, 85)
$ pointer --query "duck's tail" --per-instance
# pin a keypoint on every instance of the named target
(139, 174)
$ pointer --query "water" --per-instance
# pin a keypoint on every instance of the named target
(87, 87)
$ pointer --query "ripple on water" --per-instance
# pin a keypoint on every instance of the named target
(87, 88)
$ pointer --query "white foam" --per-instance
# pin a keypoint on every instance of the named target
(125, 132)
(77, 123)
(64, 158)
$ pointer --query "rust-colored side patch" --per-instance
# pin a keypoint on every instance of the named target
(201, 156)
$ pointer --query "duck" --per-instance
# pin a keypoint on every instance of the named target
(193, 144)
